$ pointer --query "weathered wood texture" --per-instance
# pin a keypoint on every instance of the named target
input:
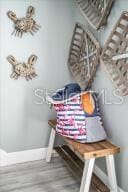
(87, 151)
(83, 56)
(38, 176)
(115, 55)
(95, 12)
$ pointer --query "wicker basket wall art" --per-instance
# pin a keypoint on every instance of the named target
(115, 54)
(83, 56)
(95, 11)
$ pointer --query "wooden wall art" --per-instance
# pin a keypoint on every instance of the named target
(21, 69)
(24, 25)
(115, 54)
(84, 56)
(95, 11)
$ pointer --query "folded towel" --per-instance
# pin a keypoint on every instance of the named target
(68, 91)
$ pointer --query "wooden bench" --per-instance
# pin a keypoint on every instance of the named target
(88, 153)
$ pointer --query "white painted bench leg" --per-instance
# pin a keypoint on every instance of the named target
(87, 175)
(50, 145)
(111, 173)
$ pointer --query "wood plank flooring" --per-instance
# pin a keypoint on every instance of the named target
(38, 176)
(76, 166)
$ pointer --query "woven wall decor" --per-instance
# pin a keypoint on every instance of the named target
(24, 25)
(115, 54)
(95, 11)
(84, 56)
(21, 69)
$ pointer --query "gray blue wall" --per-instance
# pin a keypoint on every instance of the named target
(115, 116)
(23, 123)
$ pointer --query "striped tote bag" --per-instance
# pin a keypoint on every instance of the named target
(79, 118)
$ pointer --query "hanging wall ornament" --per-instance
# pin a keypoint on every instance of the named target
(84, 56)
(24, 25)
(95, 11)
(21, 69)
(115, 54)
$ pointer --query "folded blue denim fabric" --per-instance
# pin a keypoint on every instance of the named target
(67, 92)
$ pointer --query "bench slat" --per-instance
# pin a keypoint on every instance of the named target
(87, 151)
(76, 166)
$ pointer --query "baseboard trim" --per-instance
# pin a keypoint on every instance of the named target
(22, 156)
(40, 154)
(103, 177)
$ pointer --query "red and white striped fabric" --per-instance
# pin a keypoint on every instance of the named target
(79, 118)
(71, 120)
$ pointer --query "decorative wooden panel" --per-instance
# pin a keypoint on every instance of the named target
(115, 54)
(84, 56)
(95, 11)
